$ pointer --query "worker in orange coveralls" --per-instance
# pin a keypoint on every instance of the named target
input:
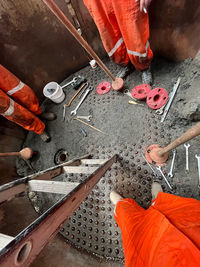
(165, 235)
(19, 104)
(124, 29)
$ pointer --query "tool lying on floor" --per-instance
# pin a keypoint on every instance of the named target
(134, 103)
(172, 95)
(187, 157)
(94, 128)
(198, 161)
(126, 92)
(160, 170)
(25, 153)
(73, 112)
(85, 85)
(22, 249)
(76, 82)
(87, 118)
(170, 174)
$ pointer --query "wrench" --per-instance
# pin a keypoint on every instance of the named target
(73, 112)
(160, 170)
(198, 159)
(72, 81)
(126, 92)
(87, 118)
(170, 174)
(187, 157)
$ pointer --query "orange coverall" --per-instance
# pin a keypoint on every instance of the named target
(124, 30)
(165, 235)
(25, 108)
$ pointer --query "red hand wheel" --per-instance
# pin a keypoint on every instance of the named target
(103, 88)
(157, 98)
(140, 91)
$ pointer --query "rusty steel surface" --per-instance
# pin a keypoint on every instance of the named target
(37, 48)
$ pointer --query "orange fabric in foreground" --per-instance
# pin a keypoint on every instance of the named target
(167, 234)
(124, 30)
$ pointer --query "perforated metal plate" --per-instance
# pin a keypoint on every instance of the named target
(128, 129)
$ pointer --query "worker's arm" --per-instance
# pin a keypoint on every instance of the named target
(144, 4)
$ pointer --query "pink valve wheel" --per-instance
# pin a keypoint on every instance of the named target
(140, 91)
(103, 88)
(157, 98)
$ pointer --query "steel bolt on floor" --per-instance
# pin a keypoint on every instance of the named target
(129, 131)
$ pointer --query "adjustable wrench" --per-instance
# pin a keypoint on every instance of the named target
(160, 170)
(170, 174)
(198, 160)
(73, 112)
(187, 157)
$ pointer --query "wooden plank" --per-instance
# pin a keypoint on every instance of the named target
(93, 161)
(4, 240)
(51, 186)
(80, 169)
(10, 190)
(44, 228)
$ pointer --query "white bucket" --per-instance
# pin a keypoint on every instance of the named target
(57, 95)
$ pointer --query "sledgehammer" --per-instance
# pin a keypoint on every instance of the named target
(25, 153)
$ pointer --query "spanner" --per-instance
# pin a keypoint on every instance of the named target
(198, 159)
(170, 174)
(72, 81)
(126, 92)
(160, 170)
(73, 112)
(87, 118)
(187, 157)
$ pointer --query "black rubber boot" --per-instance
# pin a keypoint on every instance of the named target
(147, 76)
(49, 116)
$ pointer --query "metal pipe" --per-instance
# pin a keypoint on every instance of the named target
(190, 134)
(61, 16)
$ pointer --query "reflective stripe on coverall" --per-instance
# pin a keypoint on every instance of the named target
(124, 30)
(26, 99)
(165, 235)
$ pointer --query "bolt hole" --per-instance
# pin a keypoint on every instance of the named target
(158, 90)
(23, 253)
(164, 98)
(156, 98)
(63, 157)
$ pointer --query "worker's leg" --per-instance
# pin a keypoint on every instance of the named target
(104, 17)
(134, 26)
(19, 91)
(183, 213)
(18, 114)
(149, 238)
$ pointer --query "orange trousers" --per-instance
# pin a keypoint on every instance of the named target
(124, 30)
(165, 235)
(26, 107)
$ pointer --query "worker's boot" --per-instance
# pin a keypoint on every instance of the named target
(45, 137)
(115, 197)
(49, 116)
(147, 76)
(125, 71)
(155, 189)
